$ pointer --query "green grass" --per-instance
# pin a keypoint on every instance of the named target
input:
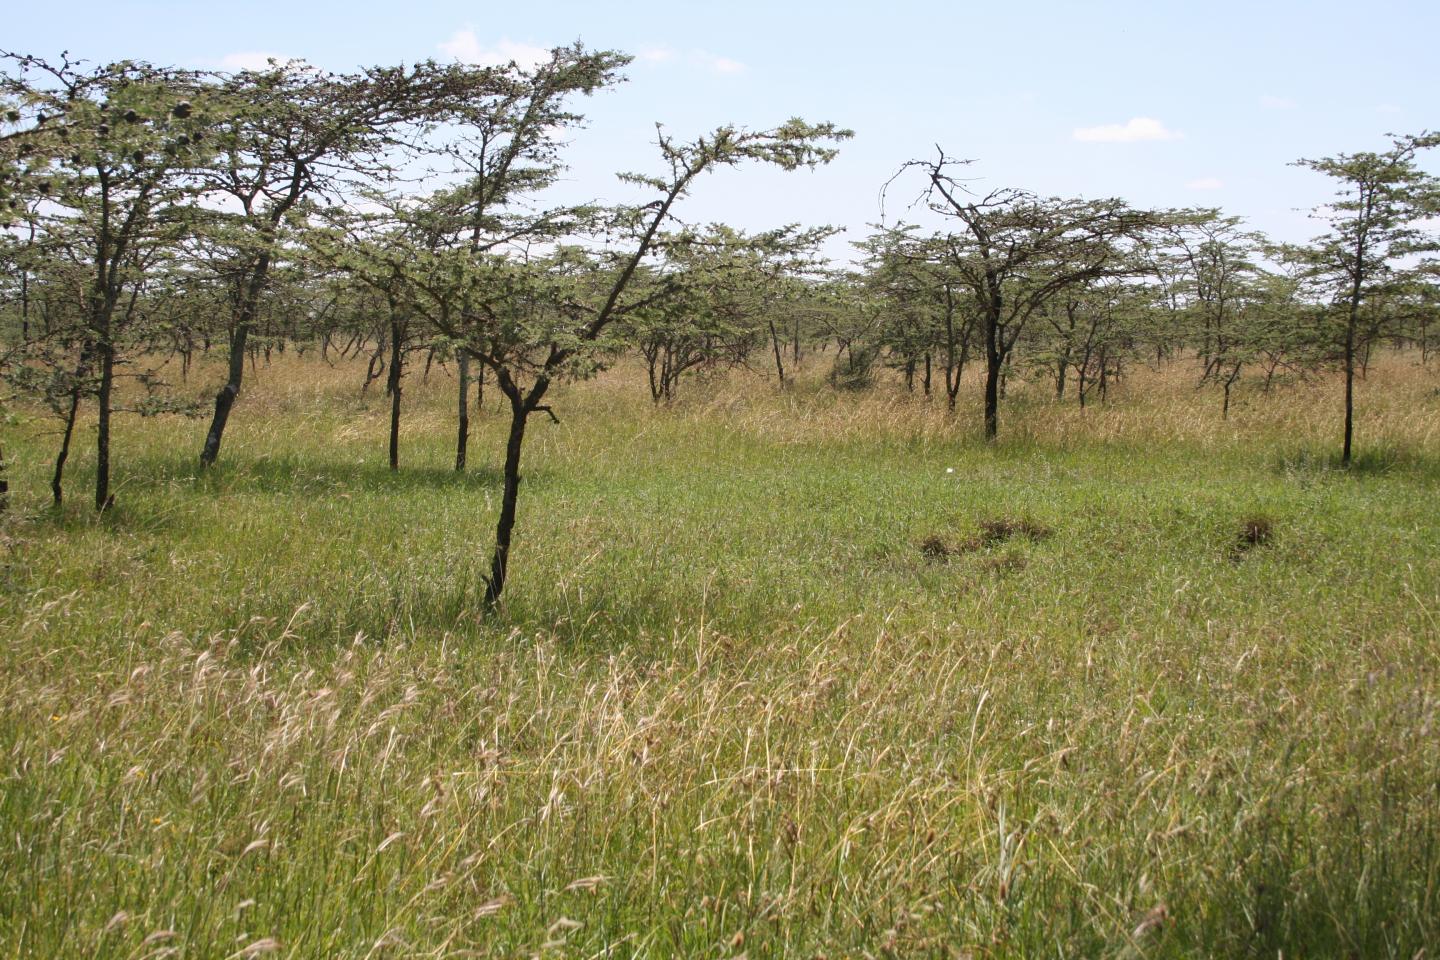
(729, 705)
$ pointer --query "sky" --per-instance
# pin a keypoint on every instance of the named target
(1165, 104)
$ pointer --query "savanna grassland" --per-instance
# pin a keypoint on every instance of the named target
(769, 678)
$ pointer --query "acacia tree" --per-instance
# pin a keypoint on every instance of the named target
(112, 151)
(1015, 252)
(898, 281)
(506, 146)
(726, 289)
(379, 250)
(925, 313)
(1376, 232)
(1219, 273)
(297, 132)
(1090, 331)
(690, 330)
(533, 323)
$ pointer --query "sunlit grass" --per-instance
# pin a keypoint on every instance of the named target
(730, 705)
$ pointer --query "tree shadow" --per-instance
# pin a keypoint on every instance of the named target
(1397, 460)
(302, 475)
(150, 492)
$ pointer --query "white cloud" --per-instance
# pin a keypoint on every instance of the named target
(1389, 108)
(250, 60)
(1134, 129)
(657, 55)
(465, 46)
(1206, 183)
(1271, 102)
(717, 63)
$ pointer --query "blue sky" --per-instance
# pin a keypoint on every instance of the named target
(1165, 104)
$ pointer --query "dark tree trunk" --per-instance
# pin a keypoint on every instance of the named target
(1349, 389)
(1352, 321)
(462, 438)
(392, 386)
(992, 399)
(374, 368)
(103, 498)
(225, 399)
(521, 406)
(994, 359)
(927, 373)
(775, 342)
(57, 479)
(652, 369)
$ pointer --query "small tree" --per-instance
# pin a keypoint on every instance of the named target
(1221, 289)
(296, 132)
(1376, 233)
(112, 151)
(1015, 252)
(535, 323)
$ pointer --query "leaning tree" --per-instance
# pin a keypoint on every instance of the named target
(535, 320)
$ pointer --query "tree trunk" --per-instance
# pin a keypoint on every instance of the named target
(392, 386)
(375, 367)
(103, 498)
(993, 361)
(225, 399)
(1349, 387)
(58, 477)
(992, 398)
(505, 526)
(462, 438)
(775, 342)
(1352, 321)
(652, 365)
